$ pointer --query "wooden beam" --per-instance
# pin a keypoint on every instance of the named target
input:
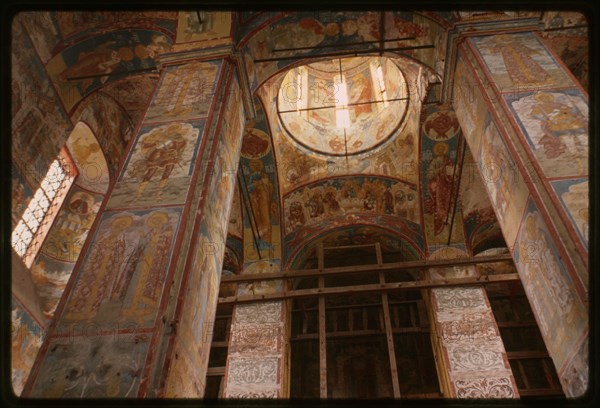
(214, 371)
(386, 267)
(373, 288)
(322, 343)
(390, 343)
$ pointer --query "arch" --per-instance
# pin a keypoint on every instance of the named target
(332, 32)
(92, 168)
(409, 249)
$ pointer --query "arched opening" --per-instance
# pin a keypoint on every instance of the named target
(349, 337)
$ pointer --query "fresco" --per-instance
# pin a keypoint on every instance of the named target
(260, 191)
(335, 29)
(570, 44)
(574, 196)
(78, 22)
(478, 215)
(235, 216)
(43, 31)
(26, 339)
(133, 93)
(555, 125)
(468, 337)
(72, 224)
(506, 188)
(112, 129)
(50, 277)
(21, 194)
(122, 275)
(185, 92)
(520, 62)
(194, 332)
(40, 126)
(256, 351)
(338, 196)
(469, 103)
(439, 148)
(87, 154)
(317, 86)
(160, 165)
(92, 366)
(549, 287)
(203, 25)
(298, 165)
(261, 287)
(81, 68)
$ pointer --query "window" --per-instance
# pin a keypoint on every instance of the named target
(33, 226)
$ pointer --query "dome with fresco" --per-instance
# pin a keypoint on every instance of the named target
(343, 106)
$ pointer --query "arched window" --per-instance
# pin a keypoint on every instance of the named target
(30, 231)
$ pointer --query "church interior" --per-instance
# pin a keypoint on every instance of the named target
(308, 204)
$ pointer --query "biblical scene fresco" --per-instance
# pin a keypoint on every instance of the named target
(549, 287)
(506, 188)
(555, 125)
(110, 124)
(373, 91)
(203, 25)
(50, 277)
(26, 339)
(133, 93)
(21, 194)
(439, 149)
(261, 287)
(84, 67)
(87, 154)
(194, 331)
(92, 366)
(160, 165)
(87, 22)
(298, 165)
(43, 30)
(574, 196)
(39, 123)
(70, 228)
(185, 92)
(470, 105)
(122, 275)
(335, 30)
(520, 62)
(341, 196)
(481, 226)
(260, 191)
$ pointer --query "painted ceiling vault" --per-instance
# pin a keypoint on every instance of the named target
(349, 137)
(342, 140)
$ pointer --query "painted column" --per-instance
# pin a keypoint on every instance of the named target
(468, 345)
(257, 360)
(136, 314)
(526, 122)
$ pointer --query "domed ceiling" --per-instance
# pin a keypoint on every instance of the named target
(343, 106)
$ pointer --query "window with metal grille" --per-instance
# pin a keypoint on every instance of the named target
(31, 229)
